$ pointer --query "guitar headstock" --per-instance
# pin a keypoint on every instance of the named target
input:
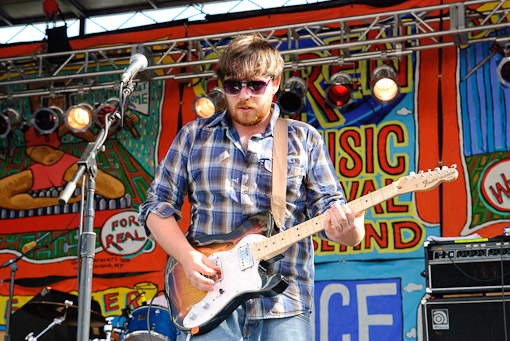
(423, 181)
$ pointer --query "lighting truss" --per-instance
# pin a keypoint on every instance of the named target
(333, 42)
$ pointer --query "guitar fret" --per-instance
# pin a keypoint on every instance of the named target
(372, 199)
(277, 244)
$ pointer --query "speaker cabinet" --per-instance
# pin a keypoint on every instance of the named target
(464, 318)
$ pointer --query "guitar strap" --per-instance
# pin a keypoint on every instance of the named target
(279, 189)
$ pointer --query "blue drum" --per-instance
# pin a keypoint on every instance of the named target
(158, 321)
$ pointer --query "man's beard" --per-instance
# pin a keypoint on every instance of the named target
(252, 119)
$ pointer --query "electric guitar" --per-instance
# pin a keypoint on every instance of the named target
(243, 254)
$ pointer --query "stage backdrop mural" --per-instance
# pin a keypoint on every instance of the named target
(368, 292)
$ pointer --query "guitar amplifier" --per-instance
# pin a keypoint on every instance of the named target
(481, 265)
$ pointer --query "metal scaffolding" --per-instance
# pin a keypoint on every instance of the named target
(380, 36)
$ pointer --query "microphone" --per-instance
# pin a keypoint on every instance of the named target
(138, 62)
(28, 246)
(32, 244)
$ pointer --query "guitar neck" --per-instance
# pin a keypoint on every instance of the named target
(275, 245)
(423, 181)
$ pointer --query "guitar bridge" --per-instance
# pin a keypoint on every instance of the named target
(245, 257)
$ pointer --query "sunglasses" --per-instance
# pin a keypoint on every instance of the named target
(233, 87)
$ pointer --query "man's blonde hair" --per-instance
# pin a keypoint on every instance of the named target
(248, 57)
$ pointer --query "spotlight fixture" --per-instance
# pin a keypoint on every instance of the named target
(79, 117)
(46, 120)
(339, 91)
(384, 84)
(109, 106)
(291, 97)
(207, 105)
(10, 120)
(504, 71)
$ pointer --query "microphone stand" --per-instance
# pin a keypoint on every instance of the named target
(12, 263)
(88, 164)
(14, 267)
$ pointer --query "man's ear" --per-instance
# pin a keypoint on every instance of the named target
(276, 85)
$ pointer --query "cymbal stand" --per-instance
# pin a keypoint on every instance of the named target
(56, 321)
(108, 328)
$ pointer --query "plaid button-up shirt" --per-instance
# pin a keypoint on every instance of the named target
(226, 184)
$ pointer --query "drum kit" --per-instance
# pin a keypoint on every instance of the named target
(145, 323)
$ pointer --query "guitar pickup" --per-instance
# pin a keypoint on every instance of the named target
(217, 277)
(245, 257)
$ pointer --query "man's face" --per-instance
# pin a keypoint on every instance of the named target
(252, 104)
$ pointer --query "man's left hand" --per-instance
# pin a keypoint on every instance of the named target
(343, 226)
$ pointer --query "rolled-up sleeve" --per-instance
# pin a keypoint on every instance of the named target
(323, 186)
(170, 185)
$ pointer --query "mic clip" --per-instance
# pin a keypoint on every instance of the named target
(128, 88)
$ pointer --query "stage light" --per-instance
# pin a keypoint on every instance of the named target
(79, 117)
(47, 120)
(291, 97)
(109, 106)
(207, 105)
(504, 71)
(10, 120)
(339, 91)
(384, 84)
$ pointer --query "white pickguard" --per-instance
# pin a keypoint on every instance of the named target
(236, 279)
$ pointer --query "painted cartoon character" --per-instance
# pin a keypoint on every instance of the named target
(50, 168)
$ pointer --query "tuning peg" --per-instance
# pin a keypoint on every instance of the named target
(413, 174)
(421, 173)
(454, 166)
(446, 169)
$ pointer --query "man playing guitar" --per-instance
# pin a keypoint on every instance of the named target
(224, 165)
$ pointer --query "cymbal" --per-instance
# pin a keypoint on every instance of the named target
(52, 310)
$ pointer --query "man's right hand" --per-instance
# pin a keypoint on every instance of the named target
(200, 270)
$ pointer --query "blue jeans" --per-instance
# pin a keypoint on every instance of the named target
(237, 327)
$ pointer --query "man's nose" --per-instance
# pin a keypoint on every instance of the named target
(244, 92)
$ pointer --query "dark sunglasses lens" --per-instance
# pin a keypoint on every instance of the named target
(232, 87)
(256, 87)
